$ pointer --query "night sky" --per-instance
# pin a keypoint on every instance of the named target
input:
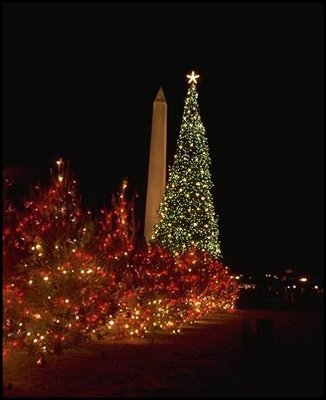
(80, 79)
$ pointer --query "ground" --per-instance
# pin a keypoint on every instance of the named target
(207, 360)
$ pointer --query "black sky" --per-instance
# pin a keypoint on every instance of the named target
(79, 80)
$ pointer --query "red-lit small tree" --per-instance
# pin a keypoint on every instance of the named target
(114, 245)
(50, 232)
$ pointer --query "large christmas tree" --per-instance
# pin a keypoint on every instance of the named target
(187, 215)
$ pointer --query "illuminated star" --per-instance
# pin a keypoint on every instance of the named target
(192, 77)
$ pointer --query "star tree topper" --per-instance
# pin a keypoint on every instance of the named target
(193, 77)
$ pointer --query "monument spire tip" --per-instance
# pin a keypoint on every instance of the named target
(160, 95)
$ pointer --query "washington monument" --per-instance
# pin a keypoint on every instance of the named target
(157, 164)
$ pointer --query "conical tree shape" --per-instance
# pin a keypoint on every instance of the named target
(187, 215)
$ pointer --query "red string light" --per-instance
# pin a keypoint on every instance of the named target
(69, 275)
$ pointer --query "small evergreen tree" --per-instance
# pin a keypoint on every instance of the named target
(51, 278)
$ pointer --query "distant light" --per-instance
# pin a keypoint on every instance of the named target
(60, 178)
(294, 287)
(303, 279)
(316, 287)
